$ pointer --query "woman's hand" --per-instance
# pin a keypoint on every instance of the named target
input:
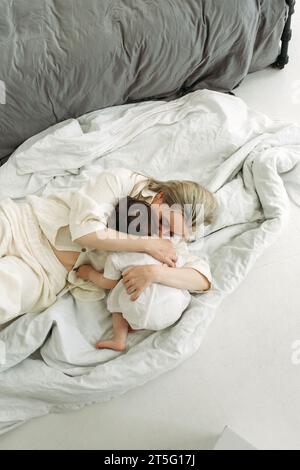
(85, 272)
(137, 279)
(162, 250)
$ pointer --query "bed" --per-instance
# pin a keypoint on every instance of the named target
(63, 58)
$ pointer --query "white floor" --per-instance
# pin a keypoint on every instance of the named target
(242, 376)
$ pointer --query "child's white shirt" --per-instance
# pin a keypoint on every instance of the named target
(158, 306)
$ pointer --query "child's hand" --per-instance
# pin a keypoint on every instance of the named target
(84, 272)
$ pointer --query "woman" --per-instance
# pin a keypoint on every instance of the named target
(43, 239)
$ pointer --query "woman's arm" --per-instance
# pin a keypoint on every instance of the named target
(139, 278)
(111, 240)
(181, 278)
(89, 209)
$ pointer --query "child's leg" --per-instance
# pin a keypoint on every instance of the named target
(133, 330)
(120, 332)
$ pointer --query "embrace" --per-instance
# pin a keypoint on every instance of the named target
(65, 242)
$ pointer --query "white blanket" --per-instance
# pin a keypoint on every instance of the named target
(250, 161)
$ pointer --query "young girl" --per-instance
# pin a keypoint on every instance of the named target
(158, 306)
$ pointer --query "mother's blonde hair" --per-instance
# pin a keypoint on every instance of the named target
(181, 193)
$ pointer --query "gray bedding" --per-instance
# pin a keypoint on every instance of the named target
(63, 58)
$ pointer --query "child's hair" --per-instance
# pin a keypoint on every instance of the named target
(132, 216)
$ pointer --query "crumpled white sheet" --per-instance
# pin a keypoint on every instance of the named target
(250, 161)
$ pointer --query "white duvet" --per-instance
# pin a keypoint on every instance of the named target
(48, 361)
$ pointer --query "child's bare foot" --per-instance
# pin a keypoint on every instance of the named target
(111, 344)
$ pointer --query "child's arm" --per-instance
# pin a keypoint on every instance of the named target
(88, 273)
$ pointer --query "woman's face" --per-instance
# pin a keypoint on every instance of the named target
(170, 222)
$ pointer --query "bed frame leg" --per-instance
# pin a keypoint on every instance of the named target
(283, 58)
